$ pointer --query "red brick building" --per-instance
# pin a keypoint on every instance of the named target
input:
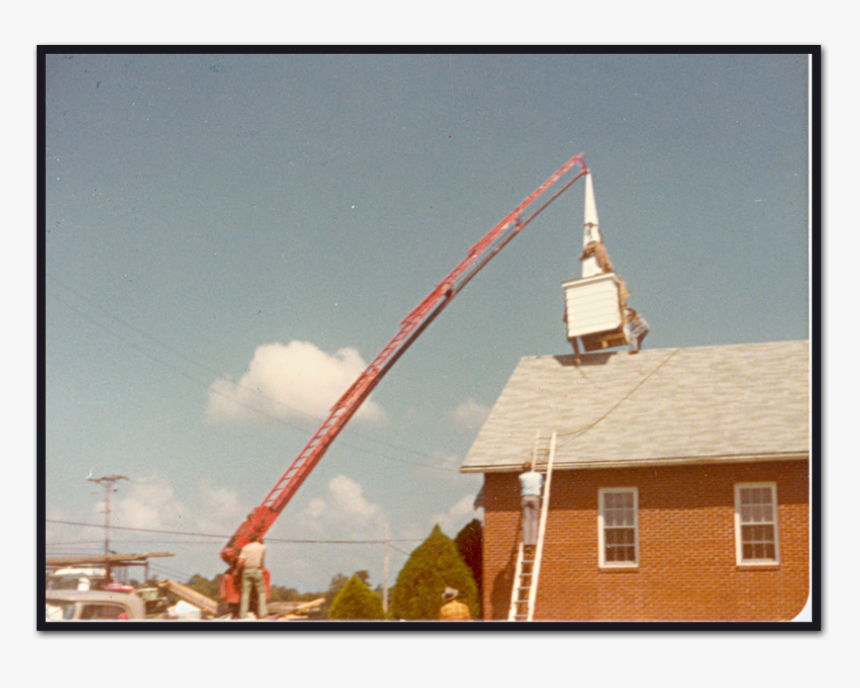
(680, 485)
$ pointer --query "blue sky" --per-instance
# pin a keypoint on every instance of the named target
(222, 223)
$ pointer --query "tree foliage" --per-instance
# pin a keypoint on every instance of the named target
(281, 593)
(433, 566)
(470, 545)
(207, 587)
(356, 601)
(338, 581)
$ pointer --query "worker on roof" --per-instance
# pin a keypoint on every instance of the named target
(638, 329)
(531, 484)
(251, 561)
(453, 610)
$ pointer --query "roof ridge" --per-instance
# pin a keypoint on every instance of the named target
(611, 352)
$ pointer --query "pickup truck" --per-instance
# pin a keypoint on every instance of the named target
(101, 605)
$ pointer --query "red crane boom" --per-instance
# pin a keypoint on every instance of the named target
(262, 517)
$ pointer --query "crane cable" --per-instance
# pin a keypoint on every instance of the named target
(574, 434)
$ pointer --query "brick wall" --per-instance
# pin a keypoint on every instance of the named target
(687, 568)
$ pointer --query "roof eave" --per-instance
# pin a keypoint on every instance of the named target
(649, 463)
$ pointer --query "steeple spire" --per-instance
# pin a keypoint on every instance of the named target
(595, 260)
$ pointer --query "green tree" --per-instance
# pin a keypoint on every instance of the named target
(204, 585)
(281, 593)
(334, 587)
(433, 566)
(470, 545)
(356, 601)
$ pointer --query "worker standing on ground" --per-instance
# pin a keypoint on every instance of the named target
(453, 610)
(531, 483)
(638, 329)
(251, 561)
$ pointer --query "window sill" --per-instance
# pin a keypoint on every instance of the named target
(764, 566)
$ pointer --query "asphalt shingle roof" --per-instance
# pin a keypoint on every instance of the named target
(738, 402)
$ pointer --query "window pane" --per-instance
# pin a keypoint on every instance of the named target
(758, 542)
(101, 611)
(619, 526)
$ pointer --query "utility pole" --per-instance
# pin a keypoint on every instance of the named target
(385, 573)
(107, 482)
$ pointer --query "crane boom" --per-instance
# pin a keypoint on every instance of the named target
(262, 517)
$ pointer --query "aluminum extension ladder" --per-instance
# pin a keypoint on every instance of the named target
(525, 586)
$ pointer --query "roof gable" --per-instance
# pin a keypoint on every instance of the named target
(737, 402)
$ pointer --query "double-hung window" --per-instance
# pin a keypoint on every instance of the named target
(756, 528)
(618, 527)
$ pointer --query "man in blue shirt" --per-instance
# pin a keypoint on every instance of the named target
(638, 329)
(531, 484)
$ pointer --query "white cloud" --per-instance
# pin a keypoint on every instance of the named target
(343, 512)
(60, 532)
(150, 503)
(470, 414)
(296, 379)
(453, 520)
(220, 511)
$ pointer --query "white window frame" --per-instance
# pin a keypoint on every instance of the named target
(774, 504)
(601, 527)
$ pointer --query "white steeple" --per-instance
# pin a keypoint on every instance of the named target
(591, 231)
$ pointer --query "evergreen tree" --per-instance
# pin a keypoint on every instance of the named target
(470, 545)
(356, 601)
(433, 566)
(334, 587)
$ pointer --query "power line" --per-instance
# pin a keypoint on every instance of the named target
(397, 549)
(225, 537)
(259, 411)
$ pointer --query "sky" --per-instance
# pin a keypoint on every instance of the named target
(231, 238)
(666, 22)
